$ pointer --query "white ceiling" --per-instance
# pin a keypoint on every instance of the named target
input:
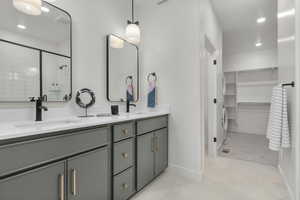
(238, 20)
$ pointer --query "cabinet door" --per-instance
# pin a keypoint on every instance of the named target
(88, 176)
(161, 150)
(46, 183)
(145, 160)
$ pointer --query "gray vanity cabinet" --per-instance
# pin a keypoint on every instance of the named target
(161, 151)
(145, 160)
(152, 150)
(46, 183)
(88, 176)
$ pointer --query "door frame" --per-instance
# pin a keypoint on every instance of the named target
(207, 46)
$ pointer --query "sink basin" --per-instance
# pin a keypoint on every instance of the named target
(46, 123)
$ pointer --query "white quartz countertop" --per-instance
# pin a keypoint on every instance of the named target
(28, 128)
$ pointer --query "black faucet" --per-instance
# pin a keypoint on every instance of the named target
(128, 104)
(39, 106)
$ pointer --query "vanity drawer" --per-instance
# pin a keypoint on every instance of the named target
(123, 131)
(124, 185)
(148, 125)
(123, 155)
(27, 154)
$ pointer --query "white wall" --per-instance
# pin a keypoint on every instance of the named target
(287, 70)
(172, 43)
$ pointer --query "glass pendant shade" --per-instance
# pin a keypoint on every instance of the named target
(30, 7)
(133, 33)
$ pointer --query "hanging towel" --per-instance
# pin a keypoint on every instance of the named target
(278, 129)
(152, 93)
(130, 89)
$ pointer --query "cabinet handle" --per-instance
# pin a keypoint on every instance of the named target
(61, 187)
(74, 182)
(124, 186)
(125, 131)
(125, 155)
(156, 144)
(152, 144)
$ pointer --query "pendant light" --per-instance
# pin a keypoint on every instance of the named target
(133, 32)
(29, 7)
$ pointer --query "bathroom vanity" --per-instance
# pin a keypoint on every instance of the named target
(93, 158)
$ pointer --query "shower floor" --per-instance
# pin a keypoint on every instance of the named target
(248, 147)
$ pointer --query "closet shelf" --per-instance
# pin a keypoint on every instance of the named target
(230, 94)
(257, 83)
(253, 101)
(229, 106)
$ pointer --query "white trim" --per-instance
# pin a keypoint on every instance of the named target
(198, 175)
(291, 193)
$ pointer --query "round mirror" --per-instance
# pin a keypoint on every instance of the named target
(85, 98)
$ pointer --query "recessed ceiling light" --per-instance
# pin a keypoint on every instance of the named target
(258, 44)
(261, 20)
(45, 9)
(286, 13)
(20, 26)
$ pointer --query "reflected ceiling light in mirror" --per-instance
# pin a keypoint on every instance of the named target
(21, 26)
(286, 39)
(286, 13)
(133, 32)
(29, 7)
(45, 9)
(261, 20)
(258, 44)
(115, 42)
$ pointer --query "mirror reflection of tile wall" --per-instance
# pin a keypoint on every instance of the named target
(19, 76)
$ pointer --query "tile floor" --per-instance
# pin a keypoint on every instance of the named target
(224, 179)
(249, 147)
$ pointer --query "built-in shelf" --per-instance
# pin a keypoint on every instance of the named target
(257, 83)
(253, 101)
(229, 106)
(230, 94)
(242, 69)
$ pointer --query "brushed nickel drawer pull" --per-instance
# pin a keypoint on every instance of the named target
(125, 186)
(125, 155)
(74, 182)
(61, 187)
(125, 131)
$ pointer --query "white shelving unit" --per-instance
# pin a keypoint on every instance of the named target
(247, 93)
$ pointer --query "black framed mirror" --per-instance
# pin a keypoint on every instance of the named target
(122, 70)
(35, 54)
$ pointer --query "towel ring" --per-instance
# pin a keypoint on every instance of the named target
(152, 74)
(129, 78)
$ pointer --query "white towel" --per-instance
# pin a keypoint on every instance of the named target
(278, 128)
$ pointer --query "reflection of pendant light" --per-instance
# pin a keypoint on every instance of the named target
(116, 42)
(30, 7)
(133, 32)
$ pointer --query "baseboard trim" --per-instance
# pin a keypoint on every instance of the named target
(291, 193)
(187, 172)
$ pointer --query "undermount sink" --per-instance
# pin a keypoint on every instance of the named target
(46, 123)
